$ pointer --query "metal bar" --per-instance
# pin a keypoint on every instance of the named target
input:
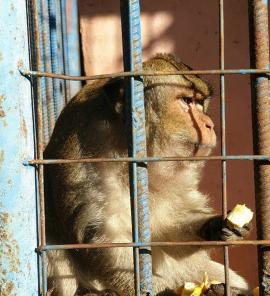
(65, 47)
(261, 130)
(38, 92)
(56, 54)
(147, 159)
(73, 44)
(154, 244)
(26, 72)
(48, 104)
(18, 234)
(43, 81)
(223, 140)
(130, 13)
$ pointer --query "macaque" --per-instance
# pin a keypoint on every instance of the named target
(90, 202)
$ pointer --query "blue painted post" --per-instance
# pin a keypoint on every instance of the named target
(132, 49)
(73, 45)
(18, 230)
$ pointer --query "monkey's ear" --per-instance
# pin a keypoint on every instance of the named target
(115, 97)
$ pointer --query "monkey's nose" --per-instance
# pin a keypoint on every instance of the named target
(209, 123)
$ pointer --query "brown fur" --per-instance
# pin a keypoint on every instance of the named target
(90, 202)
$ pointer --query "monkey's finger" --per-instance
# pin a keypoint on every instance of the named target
(229, 235)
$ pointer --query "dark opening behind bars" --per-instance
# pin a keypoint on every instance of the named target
(259, 14)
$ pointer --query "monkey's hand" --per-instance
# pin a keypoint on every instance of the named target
(216, 228)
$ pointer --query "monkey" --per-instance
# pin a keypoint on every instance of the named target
(90, 202)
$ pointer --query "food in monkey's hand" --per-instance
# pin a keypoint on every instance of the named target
(208, 288)
(239, 216)
(192, 289)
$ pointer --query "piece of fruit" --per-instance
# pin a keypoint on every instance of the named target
(239, 216)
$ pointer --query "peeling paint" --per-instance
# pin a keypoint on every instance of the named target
(2, 99)
(1, 157)
(23, 128)
(20, 63)
(6, 289)
(2, 113)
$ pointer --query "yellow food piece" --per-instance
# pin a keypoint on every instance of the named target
(256, 291)
(240, 215)
(197, 291)
(205, 284)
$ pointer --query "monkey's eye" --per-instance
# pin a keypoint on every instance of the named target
(187, 100)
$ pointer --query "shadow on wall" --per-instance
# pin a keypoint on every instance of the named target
(190, 30)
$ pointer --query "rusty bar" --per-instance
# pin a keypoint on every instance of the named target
(223, 140)
(147, 159)
(39, 133)
(154, 244)
(143, 73)
(261, 134)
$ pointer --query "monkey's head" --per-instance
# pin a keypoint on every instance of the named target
(175, 106)
(176, 109)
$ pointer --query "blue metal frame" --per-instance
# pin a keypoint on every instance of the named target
(132, 49)
(18, 230)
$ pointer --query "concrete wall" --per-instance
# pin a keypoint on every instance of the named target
(190, 30)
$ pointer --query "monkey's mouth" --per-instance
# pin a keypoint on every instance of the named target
(199, 149)
(199, 145)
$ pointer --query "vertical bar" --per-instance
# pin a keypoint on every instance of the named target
(73, 44)
(223, 140)
(48, 105)
(65, 47)
(56, 55)
(42, 79)
(130, 14)
(261, 134)
(39, 91)
(18, 232)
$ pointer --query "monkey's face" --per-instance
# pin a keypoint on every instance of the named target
(176, 105)
(188, 123)
(176, 117)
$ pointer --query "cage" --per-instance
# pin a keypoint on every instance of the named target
(40, 70)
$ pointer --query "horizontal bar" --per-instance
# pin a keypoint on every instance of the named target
(142, 73)
(146, 159)
(152, 244)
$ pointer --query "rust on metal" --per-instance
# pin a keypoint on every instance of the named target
(223, 139)
(9, 255)
(39, 131)
(143, 73)
(264, 158)
(261, 134)
(2, 112)
(154, 244)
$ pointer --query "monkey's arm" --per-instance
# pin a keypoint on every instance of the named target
(216, 229)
